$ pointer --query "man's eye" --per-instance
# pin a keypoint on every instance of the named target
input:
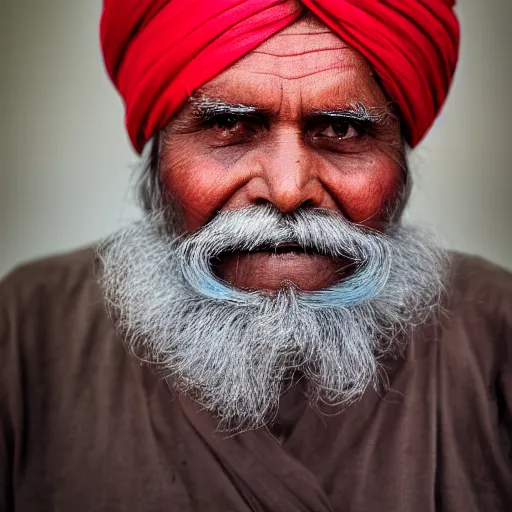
(227, 122)
(232, 129)
(337, 130)
(230, 126)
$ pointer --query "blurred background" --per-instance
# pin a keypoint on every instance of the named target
(67, 169)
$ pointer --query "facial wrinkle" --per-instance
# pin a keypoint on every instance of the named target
(290, 57)
(299, 53)
(281, 99)
(301, 104)
(299, 77)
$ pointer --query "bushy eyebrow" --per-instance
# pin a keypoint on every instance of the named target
(357, 112)
(207, 108)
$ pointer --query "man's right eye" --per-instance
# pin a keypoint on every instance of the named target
(227, 122)
(230, 129)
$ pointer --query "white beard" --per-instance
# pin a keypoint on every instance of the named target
(233, 350)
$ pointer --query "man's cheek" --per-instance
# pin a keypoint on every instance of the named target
(198, 185)
(364, 198)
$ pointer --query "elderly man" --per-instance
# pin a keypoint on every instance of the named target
(292, 346)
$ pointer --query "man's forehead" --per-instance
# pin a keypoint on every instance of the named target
(331, 88)
(304, 67)
(305, 48)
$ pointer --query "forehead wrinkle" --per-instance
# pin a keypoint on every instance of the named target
(276, 82)
(299, 53)
(337, 67)
(277, 44)
(295, 62)
(269, 94)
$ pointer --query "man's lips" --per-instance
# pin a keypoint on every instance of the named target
(271, 269)
(288, 248)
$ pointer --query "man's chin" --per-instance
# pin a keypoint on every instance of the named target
(272, 271)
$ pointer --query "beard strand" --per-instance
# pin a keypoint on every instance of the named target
(235, 351)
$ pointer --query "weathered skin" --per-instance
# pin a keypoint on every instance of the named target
(288, 159)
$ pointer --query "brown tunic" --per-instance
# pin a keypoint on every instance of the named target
(85, 427)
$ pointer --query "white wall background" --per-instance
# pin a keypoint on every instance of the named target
(66, 165)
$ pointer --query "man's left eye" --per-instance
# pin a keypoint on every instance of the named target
(337, 130)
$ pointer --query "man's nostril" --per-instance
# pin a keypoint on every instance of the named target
(261, 202)
(309, 203)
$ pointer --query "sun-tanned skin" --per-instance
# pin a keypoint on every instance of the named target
(291, 149)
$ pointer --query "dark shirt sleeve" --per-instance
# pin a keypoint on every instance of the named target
(10, 405)
(14, 288)
(506, 389)
(505, 375)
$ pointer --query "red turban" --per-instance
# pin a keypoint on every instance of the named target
(158, 52)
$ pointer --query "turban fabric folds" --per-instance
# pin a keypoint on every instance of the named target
(158, 52)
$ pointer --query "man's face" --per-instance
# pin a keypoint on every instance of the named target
(299, 122)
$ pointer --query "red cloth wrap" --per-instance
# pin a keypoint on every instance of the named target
(158, 52)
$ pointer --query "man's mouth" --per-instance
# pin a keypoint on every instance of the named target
(272, 268)
(285, 248)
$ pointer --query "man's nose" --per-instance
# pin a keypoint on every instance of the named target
(288, 179)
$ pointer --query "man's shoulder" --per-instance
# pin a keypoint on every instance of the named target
(51, 295)
(49, 276)
(479, 282)
(479, 312)
(52, 310)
